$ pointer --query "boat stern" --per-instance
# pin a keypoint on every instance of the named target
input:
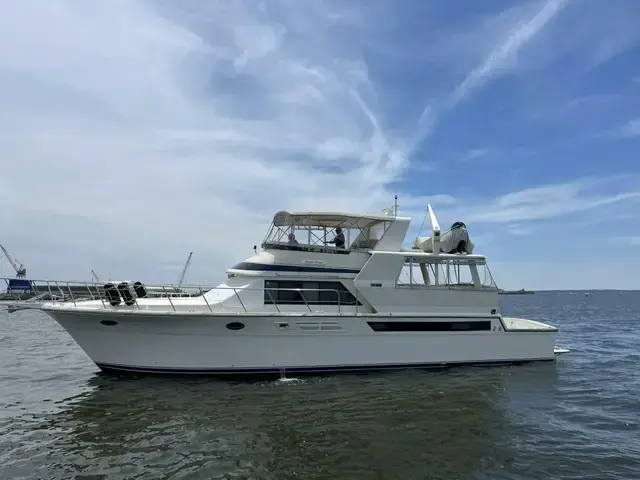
(512, 324)
(523, 325)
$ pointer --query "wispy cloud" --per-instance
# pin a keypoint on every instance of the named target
(504, 54)
(626, 130)
(519, 230)
(593, 100)
(136, 131)
(630, 241)
(516, 28)
(545, 202)
(475, 153)
(164, 122)
(631, 129)
(237, 110)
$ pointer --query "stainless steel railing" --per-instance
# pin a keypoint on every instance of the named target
(184, 297)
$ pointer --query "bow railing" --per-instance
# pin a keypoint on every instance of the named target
(22, 294)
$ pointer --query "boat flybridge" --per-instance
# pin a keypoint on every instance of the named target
(326, 292)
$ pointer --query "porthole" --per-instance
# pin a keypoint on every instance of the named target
(109, 323)
(235, 326)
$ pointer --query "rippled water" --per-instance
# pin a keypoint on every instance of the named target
(576, 418)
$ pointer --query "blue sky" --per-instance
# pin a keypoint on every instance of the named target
(134, 132)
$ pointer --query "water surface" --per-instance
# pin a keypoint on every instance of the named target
(576, 418)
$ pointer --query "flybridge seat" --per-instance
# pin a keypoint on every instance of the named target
(454, 241)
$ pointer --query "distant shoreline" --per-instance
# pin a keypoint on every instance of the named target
(522, 291)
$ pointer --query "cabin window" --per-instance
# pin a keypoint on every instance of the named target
(284, 292)
(312, 293)
(468, 326)
(449, 273)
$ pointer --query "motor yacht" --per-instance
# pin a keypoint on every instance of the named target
(325, 292)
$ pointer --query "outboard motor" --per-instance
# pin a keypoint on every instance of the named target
(461, 236)
(112, 294)
(141, 292)
(127, 296)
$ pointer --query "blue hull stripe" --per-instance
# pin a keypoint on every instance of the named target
(106, 367)
(291, 268)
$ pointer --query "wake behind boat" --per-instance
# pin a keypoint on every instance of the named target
(327, 292)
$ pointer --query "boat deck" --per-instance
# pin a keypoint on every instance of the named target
(513, 324)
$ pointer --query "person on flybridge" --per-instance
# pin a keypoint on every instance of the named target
(339, 238)
(454, 241)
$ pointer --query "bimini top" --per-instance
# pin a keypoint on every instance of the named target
(328, 219)
(335, 232)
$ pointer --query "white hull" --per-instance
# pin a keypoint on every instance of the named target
(202, 344)
(311, 307)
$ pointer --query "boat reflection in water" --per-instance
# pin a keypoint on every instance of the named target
(402, 425)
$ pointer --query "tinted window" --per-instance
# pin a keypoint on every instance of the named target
(430, 326)
(311, 292)
(315, 293)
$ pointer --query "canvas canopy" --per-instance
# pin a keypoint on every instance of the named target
(327, 219)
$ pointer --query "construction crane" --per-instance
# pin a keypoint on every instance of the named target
(21, 272)
(184, 270)
(95, 276)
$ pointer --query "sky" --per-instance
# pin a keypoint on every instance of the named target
(133, 132)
